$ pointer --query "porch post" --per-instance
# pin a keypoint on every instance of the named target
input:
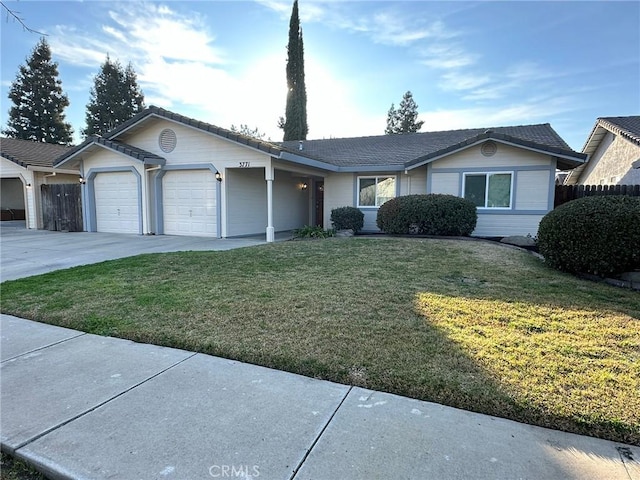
(270, 229)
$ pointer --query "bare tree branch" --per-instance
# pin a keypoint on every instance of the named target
(14, 14)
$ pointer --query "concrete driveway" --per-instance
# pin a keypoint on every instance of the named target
(30, 252)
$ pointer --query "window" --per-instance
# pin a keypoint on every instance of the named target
(374, 191)
(488, 190)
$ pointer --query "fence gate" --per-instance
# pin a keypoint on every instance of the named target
(62, 207)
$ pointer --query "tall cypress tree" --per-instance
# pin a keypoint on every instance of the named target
(115, 98)
(295, 122)
(39, 102)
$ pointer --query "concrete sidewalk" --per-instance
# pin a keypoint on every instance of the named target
(82, 406)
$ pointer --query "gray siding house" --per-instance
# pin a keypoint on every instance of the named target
(164, 173)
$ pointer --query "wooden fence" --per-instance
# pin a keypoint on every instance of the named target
(62, 207)
(566, 193)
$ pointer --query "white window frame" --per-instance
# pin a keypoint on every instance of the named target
(375, 178)
(486, 188)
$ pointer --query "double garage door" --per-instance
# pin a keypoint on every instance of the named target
(188, 196)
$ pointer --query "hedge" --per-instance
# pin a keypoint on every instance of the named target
(344, 218)
(597, 235)
(432, 214)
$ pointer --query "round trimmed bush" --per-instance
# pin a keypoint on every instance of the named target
(432, 214)
(598, 235)
(344, 218)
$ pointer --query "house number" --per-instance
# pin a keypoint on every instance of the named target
(244, 164)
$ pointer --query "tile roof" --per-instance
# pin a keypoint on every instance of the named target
(408, 149)
(262, 145)
(29, 153)
(349, 154)
(628, 127)
(129, 150)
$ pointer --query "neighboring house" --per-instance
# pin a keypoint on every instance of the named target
(163, 173)
(25, 166)
(613, 147)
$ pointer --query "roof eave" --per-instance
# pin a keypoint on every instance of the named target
(576, 157)
(306, 161)
(71, 155)
(69, 171)
(96, 141)
(156, 112)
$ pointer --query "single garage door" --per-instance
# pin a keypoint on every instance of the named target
(189, 203)
(117, 209)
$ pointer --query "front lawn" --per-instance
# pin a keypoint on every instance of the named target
(469, 324)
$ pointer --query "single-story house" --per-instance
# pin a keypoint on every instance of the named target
(613, 149)
(24, 167)
(164, 173)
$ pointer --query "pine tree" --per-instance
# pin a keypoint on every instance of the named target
(244, 129)
(294, 123)
(115, 98)
(39, 102)
(404, 119)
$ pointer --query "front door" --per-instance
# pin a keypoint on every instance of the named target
(319, 194)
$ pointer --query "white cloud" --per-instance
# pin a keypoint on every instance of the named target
(382, 24)
(444, 56)
(456, 80)
(528, 111)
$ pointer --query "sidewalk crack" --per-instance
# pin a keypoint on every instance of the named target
(95, 407)
(315, 441)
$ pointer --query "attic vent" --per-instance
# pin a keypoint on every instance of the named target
(489, 149)
(167, 140)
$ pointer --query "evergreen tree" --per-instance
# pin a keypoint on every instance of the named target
(405, 118)
(115, 98)
(38, 101)
(249, 132)
(294, 123)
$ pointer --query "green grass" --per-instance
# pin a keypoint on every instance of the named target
(469, 324)
(14, 469)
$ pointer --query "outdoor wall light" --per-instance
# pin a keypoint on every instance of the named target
(82, 181)
(218, 176)
(28, 185)
(303, 186)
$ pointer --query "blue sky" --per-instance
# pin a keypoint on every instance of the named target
(468, 64)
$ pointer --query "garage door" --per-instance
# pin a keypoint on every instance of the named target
(189, 203)
(117, 209)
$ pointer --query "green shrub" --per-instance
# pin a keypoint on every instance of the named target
(432, 214)
(598, 235)
(313, 232)
(344, 218)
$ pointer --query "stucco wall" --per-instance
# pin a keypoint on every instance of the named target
(611, 163)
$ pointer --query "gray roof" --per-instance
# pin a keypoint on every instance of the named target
(129, 150)
(406, 150)
(384, 152)
(626, 127)
(29, 153)
(152, 110)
